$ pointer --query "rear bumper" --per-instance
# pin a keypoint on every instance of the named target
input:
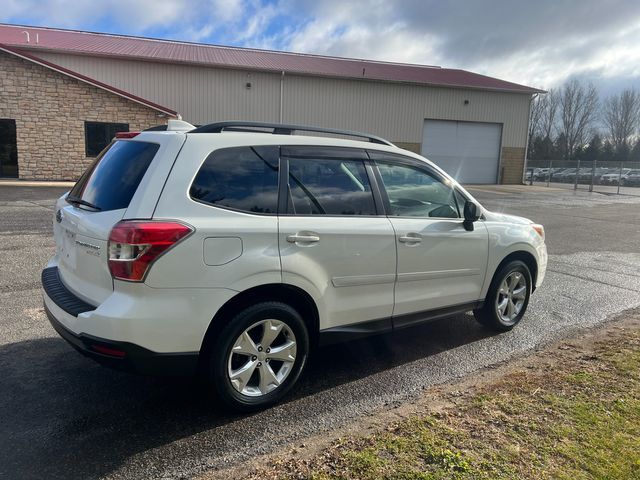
(119, 355)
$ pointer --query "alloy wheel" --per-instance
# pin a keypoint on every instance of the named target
(511, 296)
(262, 357)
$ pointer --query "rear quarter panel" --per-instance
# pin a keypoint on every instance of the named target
(198, 262)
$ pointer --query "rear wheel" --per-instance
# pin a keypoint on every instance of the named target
(508, 297)
(258, 357)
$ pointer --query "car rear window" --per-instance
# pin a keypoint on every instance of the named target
(111, 181)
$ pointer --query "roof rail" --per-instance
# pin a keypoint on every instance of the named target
(283, 129)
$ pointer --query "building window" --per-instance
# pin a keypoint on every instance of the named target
(8, 150)
(98, 135)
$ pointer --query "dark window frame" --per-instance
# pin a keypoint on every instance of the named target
(115, 128)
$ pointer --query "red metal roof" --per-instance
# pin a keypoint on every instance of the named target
(100, 44)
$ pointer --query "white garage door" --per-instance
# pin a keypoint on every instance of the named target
(468, 151)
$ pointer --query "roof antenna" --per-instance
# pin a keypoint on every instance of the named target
(27, 33)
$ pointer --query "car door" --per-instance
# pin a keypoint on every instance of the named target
(332, 240)
(440, 263)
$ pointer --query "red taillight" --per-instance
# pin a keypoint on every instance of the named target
(127, 134)
(135, 245)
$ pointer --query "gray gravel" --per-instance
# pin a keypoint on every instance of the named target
(62, 416)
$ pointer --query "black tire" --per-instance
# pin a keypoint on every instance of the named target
(220, 350)
(488, 314)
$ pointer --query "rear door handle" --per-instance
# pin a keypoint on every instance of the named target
(303, 238)
(410, 238)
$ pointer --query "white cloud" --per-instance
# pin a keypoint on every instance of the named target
(538, 43)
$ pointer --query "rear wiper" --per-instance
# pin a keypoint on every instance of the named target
(79, 201)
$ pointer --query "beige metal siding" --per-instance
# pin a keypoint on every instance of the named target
(392, 110)
(199, 94)
(398, 111)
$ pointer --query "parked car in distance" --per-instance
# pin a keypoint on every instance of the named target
(586, 173)
(613, 176)
(631, 179)
(540, 174)
(563, 175)
(230, 249)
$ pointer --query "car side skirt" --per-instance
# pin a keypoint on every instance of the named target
(345, 333)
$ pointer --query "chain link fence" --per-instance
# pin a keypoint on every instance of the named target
(593, 176)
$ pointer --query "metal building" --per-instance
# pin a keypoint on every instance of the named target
(472, 125)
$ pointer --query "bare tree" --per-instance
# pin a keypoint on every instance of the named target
(621, 115)
(543, 117)
(537, 111)
(578, 107)
(543, 114)
(549, 118)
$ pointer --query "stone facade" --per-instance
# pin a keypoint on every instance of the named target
(512, 165)
(50, 109)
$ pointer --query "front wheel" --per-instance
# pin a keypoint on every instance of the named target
(507, 298)
(258, 356)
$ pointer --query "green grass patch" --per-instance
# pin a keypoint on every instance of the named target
(570, 418)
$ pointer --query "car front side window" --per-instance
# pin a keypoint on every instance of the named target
(414, 192)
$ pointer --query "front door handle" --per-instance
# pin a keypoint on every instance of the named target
(303, 238)
(410, 238)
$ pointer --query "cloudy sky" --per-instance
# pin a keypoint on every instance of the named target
(539, 43)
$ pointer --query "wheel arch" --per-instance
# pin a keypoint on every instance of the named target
(291, 295)
(524, 256)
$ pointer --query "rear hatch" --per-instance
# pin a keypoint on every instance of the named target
(86, 215)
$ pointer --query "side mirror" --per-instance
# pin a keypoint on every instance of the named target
(470, 215)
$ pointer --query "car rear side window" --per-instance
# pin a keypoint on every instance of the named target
(241, 178)
(328, 185)
(112, 180)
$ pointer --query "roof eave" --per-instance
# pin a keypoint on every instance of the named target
(519, 90)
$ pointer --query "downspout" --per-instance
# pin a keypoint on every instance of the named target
(281, 95)
(526, 145)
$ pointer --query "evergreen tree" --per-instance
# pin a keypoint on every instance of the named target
(635, 152)
(622, 152)
(608, 154)
(560, 147)
(594, 149)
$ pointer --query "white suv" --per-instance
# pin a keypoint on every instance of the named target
(232, 249)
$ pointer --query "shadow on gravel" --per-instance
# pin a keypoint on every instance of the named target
(62, 416)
